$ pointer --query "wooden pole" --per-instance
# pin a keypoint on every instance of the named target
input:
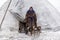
(5, 14)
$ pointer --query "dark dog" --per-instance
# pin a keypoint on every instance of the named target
(22, 27)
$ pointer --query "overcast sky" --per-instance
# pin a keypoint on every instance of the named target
(55, 3)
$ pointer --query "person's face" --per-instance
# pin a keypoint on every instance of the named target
(31, 9)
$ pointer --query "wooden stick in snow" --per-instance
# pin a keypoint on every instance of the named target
(5, 14)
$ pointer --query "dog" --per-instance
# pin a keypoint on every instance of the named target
(36, 30)
(22, 27)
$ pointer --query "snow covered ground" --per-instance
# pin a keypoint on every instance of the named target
(46, 15)
(14, 35)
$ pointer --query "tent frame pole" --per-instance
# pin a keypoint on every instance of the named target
(5, 13)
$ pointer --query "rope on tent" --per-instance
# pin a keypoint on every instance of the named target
(5, 14)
